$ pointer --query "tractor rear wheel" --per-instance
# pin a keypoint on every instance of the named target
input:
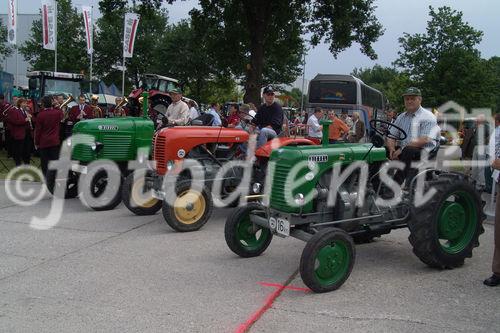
(133, 197)
(445, 230)
(327, 260)
(190, 209)
(242, 236)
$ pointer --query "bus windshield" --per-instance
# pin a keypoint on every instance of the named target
(59, 86)
(332, 92)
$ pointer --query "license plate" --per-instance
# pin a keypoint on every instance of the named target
(282, 227)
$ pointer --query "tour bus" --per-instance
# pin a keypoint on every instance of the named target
(346, 93)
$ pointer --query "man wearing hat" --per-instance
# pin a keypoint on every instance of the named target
(269, 118)
(178, 110)
(422, 131)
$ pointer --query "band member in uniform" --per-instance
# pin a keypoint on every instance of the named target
(78, 112)
(47, 133)
(21, 126)
(4, 109)
(119, 110)
(96, 110)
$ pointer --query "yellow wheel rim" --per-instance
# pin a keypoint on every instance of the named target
(138, 197)
(189, 207)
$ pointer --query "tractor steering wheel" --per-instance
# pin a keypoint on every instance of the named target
(386, 131)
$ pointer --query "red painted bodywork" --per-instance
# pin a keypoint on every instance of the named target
(265, 150)
(169, 142)
(173, 144)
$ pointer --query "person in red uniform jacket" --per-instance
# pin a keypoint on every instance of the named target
(79, 112)
(4, 109)
(20, 124)
(47, 133)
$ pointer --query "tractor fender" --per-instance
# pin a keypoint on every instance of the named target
(266, 149)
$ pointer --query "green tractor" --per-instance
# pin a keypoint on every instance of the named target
(327, 215)
(115, 140)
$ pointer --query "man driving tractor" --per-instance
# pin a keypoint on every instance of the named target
(422, 129)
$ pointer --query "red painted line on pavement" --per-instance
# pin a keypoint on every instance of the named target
(244, 327)
(277, 285)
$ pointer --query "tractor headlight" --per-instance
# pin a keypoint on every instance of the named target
(256, 188)
(93, 146)
(170, 165)
(299, 199)
(68, 142)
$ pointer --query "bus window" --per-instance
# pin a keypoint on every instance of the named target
(334, 92)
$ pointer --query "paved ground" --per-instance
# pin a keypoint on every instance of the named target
(114, 272)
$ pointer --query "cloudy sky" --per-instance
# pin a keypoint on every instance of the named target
(396, 16)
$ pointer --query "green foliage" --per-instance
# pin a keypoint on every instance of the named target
(445, 63)
(262, 42)
(71, 51)
(109, 39)
(5, 48)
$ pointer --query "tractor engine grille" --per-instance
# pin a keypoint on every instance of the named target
(159, 154)
(278, 187)
(116, 147)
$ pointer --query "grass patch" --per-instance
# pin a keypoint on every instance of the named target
(7, 164)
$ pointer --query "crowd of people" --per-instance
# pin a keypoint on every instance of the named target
(29, 130)
(343, 127)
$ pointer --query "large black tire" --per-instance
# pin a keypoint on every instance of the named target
(98, 184)
(71, 184)
(191, 208)
(129, 197)
(445, 230)
(327, 260)
(242, 236)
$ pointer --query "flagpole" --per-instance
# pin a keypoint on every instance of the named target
(123, 76)
(91, 29)
(17, 52)
(55, 30)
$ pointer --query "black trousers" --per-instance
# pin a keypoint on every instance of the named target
(8, 143)
(21, 150)
(46, 155)
(408, 155)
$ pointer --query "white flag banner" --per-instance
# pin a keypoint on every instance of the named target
(12, 21)
(49, 34)
(87, 20)
(129, 32)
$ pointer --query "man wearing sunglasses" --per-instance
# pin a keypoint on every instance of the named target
(269, 118)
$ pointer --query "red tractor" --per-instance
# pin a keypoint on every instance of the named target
(211, 147)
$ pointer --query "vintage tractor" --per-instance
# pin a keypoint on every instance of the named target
(110, 139)
(212, 147)
(308, 201)
(158, 88)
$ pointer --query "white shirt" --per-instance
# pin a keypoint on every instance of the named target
(217, 120)
(193, 113)
(178, 113)
(313, 126)
(422, 123)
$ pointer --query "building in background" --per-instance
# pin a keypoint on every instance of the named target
(25, 21)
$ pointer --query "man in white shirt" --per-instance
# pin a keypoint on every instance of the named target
(314, 129)
(193, 113)
(177, 111)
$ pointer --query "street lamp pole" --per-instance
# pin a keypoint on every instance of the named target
(303, 82)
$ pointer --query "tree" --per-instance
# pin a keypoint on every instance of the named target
(5, 49)
(71, 52)
(262, 42)
(445, 63)
(109, 37)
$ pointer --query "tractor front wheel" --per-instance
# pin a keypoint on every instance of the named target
(190, 208)
(327, 260)
(445, 230)
(243, 237)
(97, 188)
(133, 197)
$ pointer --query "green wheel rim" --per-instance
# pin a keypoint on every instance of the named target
(332, 263)
(457, 222)
(250, 236)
